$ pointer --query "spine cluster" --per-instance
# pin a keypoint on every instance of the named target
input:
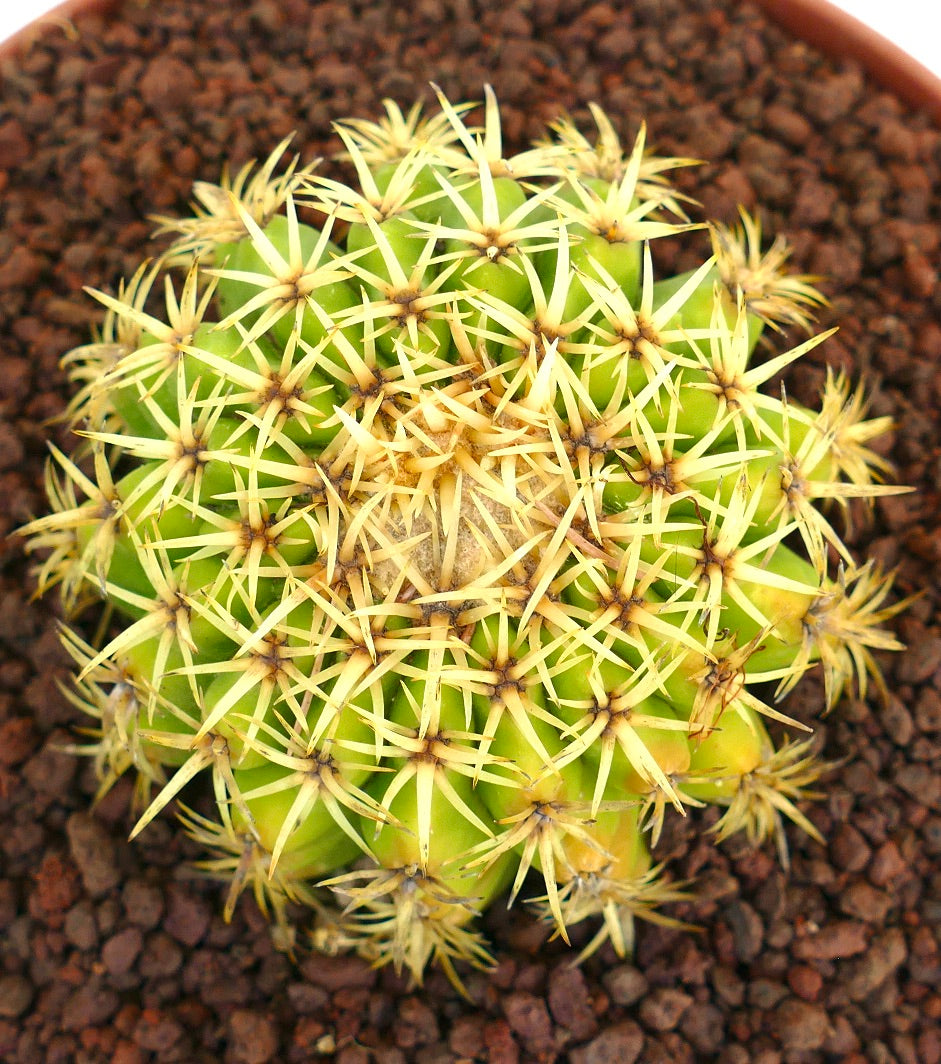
(450, 544)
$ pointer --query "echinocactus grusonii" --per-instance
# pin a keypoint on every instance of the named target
(454, 546)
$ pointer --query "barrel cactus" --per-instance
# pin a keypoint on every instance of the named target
(450, 544)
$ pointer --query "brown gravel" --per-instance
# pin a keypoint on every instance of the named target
(110, 951)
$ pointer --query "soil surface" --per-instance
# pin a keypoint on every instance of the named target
(113, 951)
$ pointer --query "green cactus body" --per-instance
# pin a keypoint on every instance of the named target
(449, 543)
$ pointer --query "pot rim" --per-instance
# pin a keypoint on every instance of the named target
(59, 17)
(841, 35)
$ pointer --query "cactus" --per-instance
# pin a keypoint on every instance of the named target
(454, 546)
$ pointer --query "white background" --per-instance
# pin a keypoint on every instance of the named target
(901, 21)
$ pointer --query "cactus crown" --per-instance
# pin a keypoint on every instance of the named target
(449, 541)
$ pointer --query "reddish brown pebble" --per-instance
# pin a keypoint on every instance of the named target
(625, 984)
(93, 851)
(529, 1020)
(466, 1037)
(416, 1024)
(806, 982)
(157, 1031)
(167, 83)
(570, 1003)
(849, 849)
(862, 901)
(187, 916)
(888, 866)
(799, 1025)
(621, 1043)
(121, 950)
(840, 939)
(91, 1005)
(16, 995)
(332, 973)
(253, 1037)
(661, 1010)
(501, 1046)
(885, 954)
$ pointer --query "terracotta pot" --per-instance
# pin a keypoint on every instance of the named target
(842, 36)
(108, 951)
